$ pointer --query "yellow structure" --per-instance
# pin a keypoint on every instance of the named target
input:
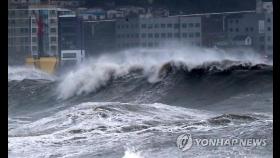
(46, 64)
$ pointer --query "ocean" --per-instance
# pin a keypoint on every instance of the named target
(135, 103)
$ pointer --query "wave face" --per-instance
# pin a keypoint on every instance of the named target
(135, 103)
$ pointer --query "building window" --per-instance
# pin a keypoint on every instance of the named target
(12, 13)
(33, 21)
(53, 30)
(197, 25)
(34, 48)
(163, 35)
(169, 25)
(231, 21)
(150, 35)
(150, 44)
(176, 26)
(34, 39)
(268, 28)
(251, 29)
(127, 35)
(268, 38)
(270, 47)
(156, 35)
(169, 35)
(53, 21)
(184, 25)
(268, 20)
(162, 25)
(262, 47)
(197, 34)
(185, 35)
(53, 48)
(53, 39)
(52, 13)
(13, 22)
(136, 35)
(22, 30)
(191, 35)
(190, 25)
(143, 35)
(176, 35)
(236, 21)
(246, 29)
(156, 25)
(150, 26)
(143, 26)
(34, 30)
(231, 30)
(144, 44)
(237, 30)
(261, 38)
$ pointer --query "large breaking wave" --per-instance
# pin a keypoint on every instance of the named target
(136, 102)
(152, 63)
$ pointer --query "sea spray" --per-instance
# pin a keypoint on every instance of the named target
(97, 72)
(23, 72)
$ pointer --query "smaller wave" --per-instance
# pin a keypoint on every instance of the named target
(228, 118)
(16, 73)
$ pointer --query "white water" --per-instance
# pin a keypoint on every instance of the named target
(55, 134)
(97, 71)
(129, 153)
(20, 73)
(83, 130)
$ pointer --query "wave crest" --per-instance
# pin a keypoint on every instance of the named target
(152, 64)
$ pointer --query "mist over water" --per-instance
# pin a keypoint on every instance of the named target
(134, 103)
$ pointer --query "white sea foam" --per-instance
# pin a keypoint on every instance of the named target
(97, 71)
(106, 128)
(82, 125)
(129, 153)
(23, 72)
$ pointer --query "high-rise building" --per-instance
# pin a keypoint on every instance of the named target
(33, 31)
(44, 30)
(18, 35)
(71, 40)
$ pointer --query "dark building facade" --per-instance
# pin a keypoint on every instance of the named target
(70, 33)
(71, 40)
(212, 29)
(99, 36)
